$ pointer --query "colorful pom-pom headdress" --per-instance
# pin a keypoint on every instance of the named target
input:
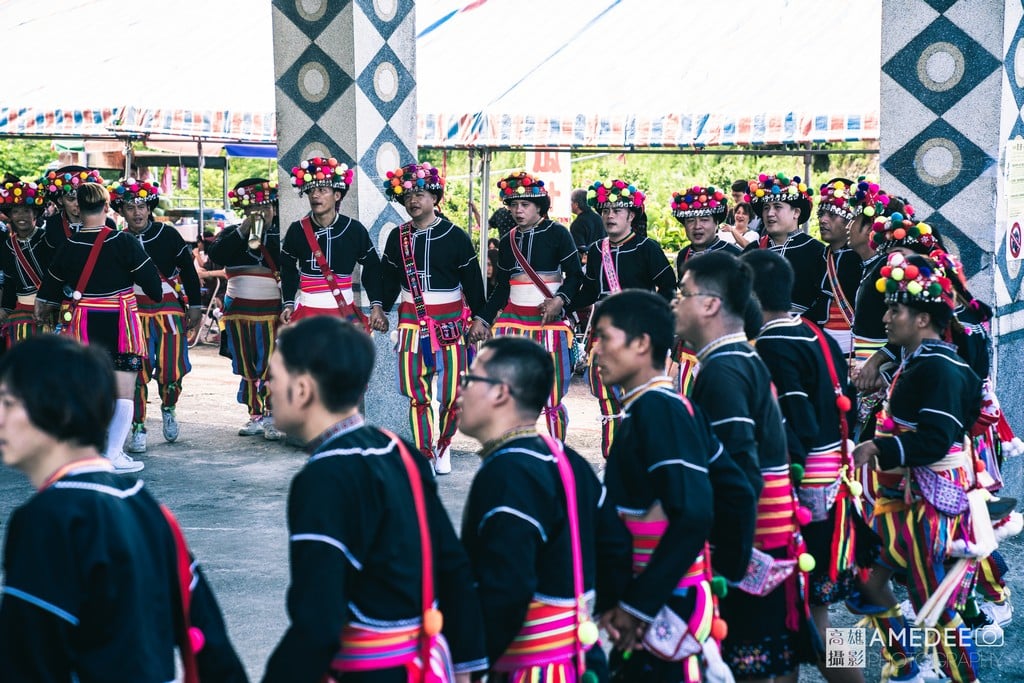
(699, 201)
(253, 192)
(836, 197)
(521, 185)
(413, 178)
(766, 189)
(898, 230)
(614, 194)
(64, 182)
(20, 193)
(321, 172)
(870, 201)
(132, 191)
(914, 280)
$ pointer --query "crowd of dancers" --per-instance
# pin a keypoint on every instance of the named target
(786, 427)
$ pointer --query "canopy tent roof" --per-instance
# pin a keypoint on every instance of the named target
(490, 73)
(96, 68)
(645, 73)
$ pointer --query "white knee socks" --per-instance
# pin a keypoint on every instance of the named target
(120, 426)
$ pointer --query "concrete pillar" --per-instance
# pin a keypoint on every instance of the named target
(951, 104)
(345, 88)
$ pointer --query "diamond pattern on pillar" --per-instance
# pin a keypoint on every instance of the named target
(386, 81)
(312, 17)
(386, 15)
(315, 138)
(938, 163)
(314, 81)
(974, 258)
(941, 65)
(1014, 57)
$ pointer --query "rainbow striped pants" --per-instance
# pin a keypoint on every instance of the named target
(166, 360)
(249, 329)
(416, 375)
(526, 322)
(914, 539)
(608, 401)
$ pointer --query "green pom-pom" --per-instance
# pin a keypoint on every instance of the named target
(891, 285)
(719, 586)
(589, 677)
(935, 289)
(796, 472)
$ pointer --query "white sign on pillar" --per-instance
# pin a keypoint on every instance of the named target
(555, 169)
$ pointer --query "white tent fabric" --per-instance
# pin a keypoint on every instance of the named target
(622, 73)
(647, 73)
(94, 67)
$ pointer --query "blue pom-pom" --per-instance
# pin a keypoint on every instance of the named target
(896, 217)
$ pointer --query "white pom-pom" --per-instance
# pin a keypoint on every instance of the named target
(1013, 448)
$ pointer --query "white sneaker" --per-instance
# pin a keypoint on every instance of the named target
(170, 424)
(136, 442)
(270, 432)
(443, 461)
(253, 427)
(1000, 614)
(123, 463)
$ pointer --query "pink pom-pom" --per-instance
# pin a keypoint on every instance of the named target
(803, 516)
(196, 639)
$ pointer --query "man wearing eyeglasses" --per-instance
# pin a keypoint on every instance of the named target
(733, 387)
(516, 527)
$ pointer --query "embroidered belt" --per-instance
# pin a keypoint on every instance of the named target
(775, 523)
(548, 636)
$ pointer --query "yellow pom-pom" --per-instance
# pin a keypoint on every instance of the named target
(806, 562)
(897, 274)
(914, 288)
(432, 622)
(856, 488)
(587, 633)
(880, 285)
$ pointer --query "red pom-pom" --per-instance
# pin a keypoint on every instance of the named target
(196, 639)
(885, 271)
(719, 629)
(979, 466)
(910, 271)
(843, 403)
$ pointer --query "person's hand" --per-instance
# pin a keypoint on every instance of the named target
(464, 677)
(245, 227)
(551, 309)
(286, 314)
(865, 454)
(195, 314)
(477, 332)
(624, 630)
(868, 378)
(378, 321)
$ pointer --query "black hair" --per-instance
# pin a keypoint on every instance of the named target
(773, 279)
(68, 389)
(639, 223)
(92, 198)
(753, 319)
(740, 186)
(637, 312)
(525, 366)
(725, 275)
(338, 356)
(940, 314)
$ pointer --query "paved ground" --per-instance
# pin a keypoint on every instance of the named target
(229, 493)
